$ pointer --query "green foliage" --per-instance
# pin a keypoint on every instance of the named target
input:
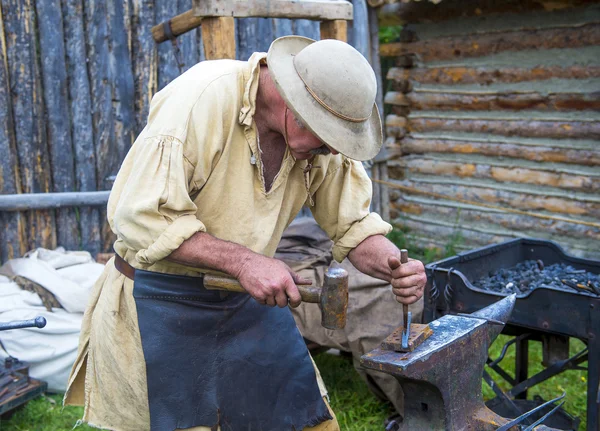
(389, 34)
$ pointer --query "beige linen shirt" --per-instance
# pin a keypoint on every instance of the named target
(196, 167)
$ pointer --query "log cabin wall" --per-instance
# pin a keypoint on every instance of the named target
(76, 80)
(495, 104)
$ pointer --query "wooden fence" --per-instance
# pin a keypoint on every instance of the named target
(76, 80)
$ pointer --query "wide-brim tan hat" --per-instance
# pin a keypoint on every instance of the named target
(331, 88)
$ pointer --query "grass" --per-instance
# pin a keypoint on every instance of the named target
(356, 408)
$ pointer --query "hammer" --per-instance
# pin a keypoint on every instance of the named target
(332, 297)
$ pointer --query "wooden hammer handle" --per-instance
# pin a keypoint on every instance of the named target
(216, 282)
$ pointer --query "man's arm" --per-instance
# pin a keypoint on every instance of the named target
(267, 280)
(380, 258)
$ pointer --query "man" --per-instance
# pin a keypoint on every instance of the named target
(231, 152)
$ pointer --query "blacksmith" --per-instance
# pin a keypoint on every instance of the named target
(231, 152)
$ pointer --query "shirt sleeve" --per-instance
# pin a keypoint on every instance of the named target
(342, 208)
(154, 213)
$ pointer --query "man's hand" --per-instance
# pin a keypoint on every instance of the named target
(408, 279)
(270, 281)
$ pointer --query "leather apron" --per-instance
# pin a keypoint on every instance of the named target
(222, 359)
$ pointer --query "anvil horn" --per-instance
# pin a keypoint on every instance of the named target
(499, 311)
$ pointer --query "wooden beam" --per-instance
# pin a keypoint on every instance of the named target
(318, 10)
(477, 45)
(547, 177)
(399, 13)
(337, 29)
(504, 196)
(536, 153)
(218, 36)
(179, 24)
(533, 128)
(486, 75)
(488, 101)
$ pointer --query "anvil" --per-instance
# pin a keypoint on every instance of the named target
(441, 378)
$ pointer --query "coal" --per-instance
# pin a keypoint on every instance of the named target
(533, 274)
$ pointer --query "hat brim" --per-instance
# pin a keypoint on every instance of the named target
(358, 141)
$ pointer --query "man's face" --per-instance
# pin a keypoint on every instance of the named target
(302, 143)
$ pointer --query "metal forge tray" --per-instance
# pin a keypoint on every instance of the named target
(547, 314)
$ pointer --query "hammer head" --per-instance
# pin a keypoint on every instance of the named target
(334, 298)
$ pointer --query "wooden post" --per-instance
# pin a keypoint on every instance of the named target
(28, 111)
(81, 121)
(218, 36)
(336, 29)
(12, 235)
(54, 74)
(107, 161)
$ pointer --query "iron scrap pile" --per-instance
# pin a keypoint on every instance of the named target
(532, 274)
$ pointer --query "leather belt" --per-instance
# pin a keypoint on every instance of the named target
(124, 268)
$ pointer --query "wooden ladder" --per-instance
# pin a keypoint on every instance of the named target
(216, 18)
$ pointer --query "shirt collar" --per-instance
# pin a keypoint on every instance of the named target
(251, 75)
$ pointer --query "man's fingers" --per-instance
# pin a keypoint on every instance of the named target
(281, 299)
(271, 301)
(299, 279)
(407, 300)
(394, 262)
(411, 280)
(293, 295)
(407, 292)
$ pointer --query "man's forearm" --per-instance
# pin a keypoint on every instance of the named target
(205, 251)
(371, 257)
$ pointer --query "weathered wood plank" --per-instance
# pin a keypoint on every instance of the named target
(168, 68)
(477, 45)
(400, 13)
(145, 63)
(358, 28)
(180, 24)
(307, 9)
(505, 197)
(307, 28)
(532, 128)
(375, 58)
(541, 176)
(334, 30)
(99, 71)
(253, 35)
(537, 153)
(486, 75)
(282, 27)
(188, 43)
(218, 37)
(58, 125)
(28, 113)
(395, 126)
(12, 234)
(123, 92)
(81, 119)
(490, 101)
